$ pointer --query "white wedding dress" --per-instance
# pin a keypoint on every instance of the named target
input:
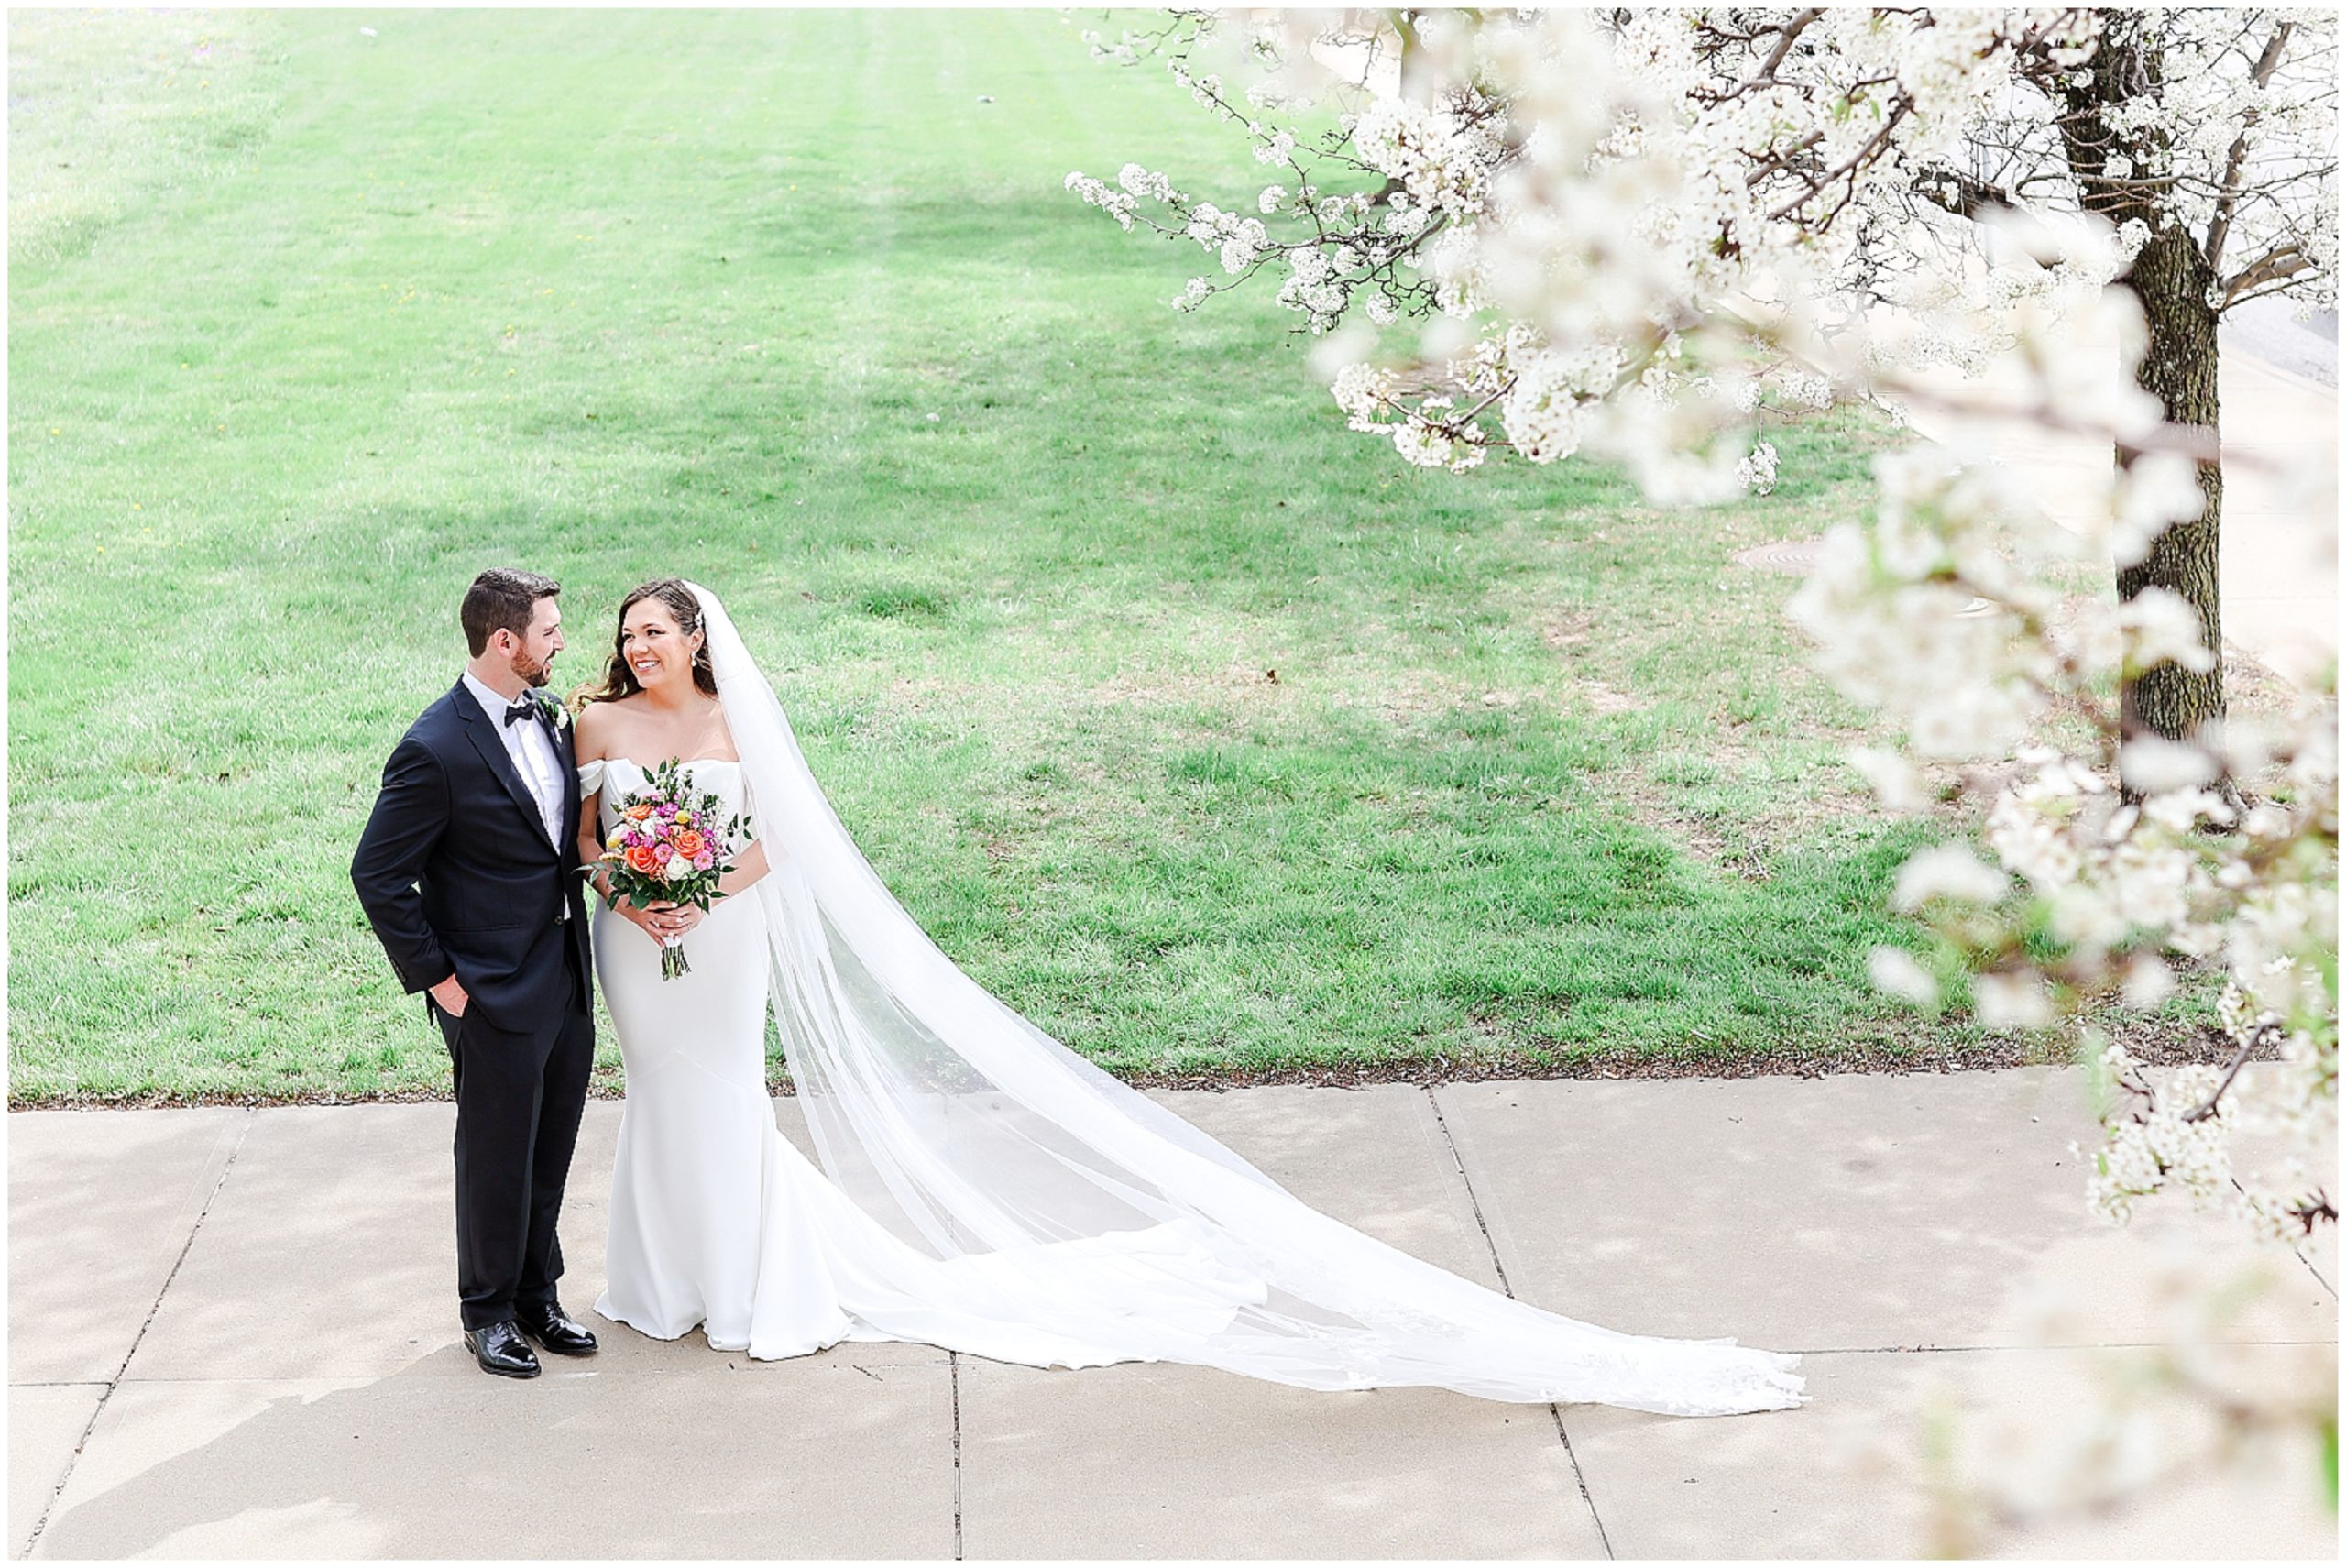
(984, 1189)
(718, 1223)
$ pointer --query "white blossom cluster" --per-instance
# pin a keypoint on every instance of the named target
(1236, 239)
(2232, 137)
(1890, 607)
(2162, 1145)
(1802, 390)
(2177, 1137)
(1443, 157)
(1125, 50)
(1116, 203)
(1610, 178)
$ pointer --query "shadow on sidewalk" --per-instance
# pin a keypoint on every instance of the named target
(820, 1458)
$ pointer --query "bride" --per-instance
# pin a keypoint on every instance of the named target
(981, 1188)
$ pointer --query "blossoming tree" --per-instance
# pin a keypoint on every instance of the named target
(1641, 235)
(2205, 138)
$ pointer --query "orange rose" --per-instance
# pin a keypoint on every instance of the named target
(642, 858)
(637, 813)
(689, 843)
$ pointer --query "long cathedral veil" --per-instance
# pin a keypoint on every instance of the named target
(1064, 1201)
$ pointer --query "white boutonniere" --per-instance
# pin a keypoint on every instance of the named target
(556, 715)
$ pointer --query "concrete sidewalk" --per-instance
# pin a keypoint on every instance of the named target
(233, 1333)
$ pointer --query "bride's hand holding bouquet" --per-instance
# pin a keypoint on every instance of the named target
(669, 852)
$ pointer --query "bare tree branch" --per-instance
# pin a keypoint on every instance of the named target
(2277, 264)
(2219, 228)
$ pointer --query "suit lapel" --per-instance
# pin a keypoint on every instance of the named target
(567, 757)
(491, 747)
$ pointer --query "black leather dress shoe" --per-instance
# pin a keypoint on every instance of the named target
(500, 1348)
(552, 1328)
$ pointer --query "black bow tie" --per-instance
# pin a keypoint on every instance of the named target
(525, 709)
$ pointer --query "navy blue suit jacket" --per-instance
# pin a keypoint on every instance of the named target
(456, 876)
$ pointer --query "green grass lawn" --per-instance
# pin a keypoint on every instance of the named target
(309, 327)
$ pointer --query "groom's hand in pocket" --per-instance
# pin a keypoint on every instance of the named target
(451, 997)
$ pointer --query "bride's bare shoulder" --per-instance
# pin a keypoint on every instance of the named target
(599, 723)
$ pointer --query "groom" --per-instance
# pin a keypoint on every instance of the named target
(469, 872)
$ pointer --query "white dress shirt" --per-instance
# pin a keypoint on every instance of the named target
(531, 745)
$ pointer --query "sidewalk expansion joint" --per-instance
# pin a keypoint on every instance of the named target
(1555, 1411)
(953, 1362)
(243, 1131)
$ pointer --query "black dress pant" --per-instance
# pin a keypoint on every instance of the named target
(518, 1098)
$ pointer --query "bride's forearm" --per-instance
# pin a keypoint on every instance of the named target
(590, 846)
(598, 875)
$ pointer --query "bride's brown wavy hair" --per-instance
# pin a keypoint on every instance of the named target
(620, 680)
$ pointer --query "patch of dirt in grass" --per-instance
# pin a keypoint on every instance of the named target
(1571, 635)
(1603, 699)
(1830, 794)
(1566, 630)
(1011, 725)
(1236, 686)
(2253, 689)
(917, 694)
(1422, 695)
(1648, 801)
(1410, 698)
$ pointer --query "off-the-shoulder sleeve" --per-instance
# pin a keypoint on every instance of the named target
(590, 777)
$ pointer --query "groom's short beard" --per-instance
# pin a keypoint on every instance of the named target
(534, 672)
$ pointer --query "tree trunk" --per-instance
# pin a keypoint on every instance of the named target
(2171, 279)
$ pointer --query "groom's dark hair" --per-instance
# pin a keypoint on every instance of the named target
(502, 600)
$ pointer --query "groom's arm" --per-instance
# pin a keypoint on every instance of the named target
(409, 816)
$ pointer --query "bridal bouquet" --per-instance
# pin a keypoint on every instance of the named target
(668, 845)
